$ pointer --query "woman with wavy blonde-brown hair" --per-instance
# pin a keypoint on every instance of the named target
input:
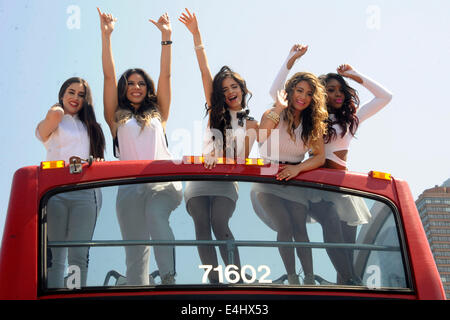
(299, 119)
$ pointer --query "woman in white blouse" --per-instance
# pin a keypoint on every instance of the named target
(137, 112)
(211, 203)
(71, 129)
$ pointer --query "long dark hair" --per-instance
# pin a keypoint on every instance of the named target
(219, 113)
(149, 107)
(346, 115)
(87, 117)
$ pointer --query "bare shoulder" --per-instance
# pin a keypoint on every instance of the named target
(252, 124)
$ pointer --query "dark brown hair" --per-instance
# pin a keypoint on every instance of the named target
(346, 115)
(219, 116)
(87, 117)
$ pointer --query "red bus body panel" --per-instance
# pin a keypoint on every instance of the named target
(20, 244)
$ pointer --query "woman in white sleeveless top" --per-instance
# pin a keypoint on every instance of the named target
(71, 129)
(137, 114)
(345, 116)
(211, 204)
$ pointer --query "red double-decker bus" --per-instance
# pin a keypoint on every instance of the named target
(390, 255)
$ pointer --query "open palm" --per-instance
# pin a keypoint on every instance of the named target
(189, 20)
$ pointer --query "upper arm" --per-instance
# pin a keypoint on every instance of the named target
(265, 127)
(47, 126)
(251, 134)
(110, 102)
(318, 150)
(163, 95)
(381, 98)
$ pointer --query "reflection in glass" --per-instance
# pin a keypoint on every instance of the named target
(375, 253)
(71, 216)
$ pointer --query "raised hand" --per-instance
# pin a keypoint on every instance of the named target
(189, 20)
(343, 70)
(107, 22)
(299, 50)
(163, 24)
(296, 52)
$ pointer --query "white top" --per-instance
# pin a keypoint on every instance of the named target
(280, 141)
(148, 143)
(237, 135)
(69, 139)
(381, 99)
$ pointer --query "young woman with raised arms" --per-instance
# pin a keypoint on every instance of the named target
(230, 134)
(137, 113)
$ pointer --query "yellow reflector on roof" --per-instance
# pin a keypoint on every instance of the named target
(52, 164)
(259, 162)
(200, 160)
(380, 175)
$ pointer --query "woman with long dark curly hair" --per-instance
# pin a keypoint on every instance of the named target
(137, 112)
(211, 203)
(71, 129)
(345, 117)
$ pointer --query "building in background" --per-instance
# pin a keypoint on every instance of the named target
(434, 209)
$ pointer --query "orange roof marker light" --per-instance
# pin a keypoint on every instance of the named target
(380, 175)
(201, 160)
(53, 164)
(252, 161)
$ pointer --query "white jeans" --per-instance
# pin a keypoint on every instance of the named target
(143, 211)
(71, 216)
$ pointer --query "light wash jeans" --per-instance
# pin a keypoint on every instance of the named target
(71, 216)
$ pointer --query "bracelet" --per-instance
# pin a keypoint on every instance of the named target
(200, 46)
(166, 42)
(273, 116)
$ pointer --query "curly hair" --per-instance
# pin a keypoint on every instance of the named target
(149, 107)
(87, 116)
(313, 118)
(219, 114)
(346, 115)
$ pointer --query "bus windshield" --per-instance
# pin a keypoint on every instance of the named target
(212, 232)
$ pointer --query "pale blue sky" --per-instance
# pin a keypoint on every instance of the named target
(404, 45)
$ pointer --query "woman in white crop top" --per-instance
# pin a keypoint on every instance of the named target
(137, 113)
(211, 203)
(345, 116)
(71, 129)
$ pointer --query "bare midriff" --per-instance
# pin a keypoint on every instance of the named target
(341, 154)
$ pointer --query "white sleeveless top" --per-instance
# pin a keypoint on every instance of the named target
(148, 143)
(69, 139)
(280, 141)
(237, 135)
(228, 189)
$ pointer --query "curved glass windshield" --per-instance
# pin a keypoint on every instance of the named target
(220, 233)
